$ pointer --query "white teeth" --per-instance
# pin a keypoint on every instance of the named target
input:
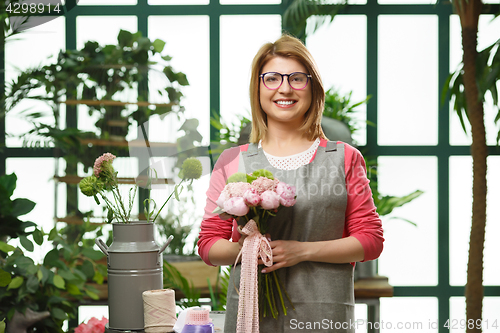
(285, 102)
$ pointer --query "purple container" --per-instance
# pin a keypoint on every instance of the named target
(208, 328)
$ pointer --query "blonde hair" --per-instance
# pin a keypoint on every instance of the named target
(288, 47)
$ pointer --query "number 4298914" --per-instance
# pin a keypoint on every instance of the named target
(471, 323)
(32, 8)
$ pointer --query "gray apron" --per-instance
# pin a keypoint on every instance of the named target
(322, 293)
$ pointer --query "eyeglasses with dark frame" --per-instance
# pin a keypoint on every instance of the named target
(274, 80)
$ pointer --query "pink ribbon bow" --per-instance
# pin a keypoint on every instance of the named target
(255, 245)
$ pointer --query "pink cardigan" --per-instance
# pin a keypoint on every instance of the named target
(361, 219)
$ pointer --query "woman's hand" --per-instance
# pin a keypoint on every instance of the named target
(286, 253)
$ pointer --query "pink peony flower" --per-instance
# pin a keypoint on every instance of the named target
(263, 184)
(252, 198)
(270, 200)
(286, 193)
(94, 325)
(100, 160)
(222, 199)
(236, 206)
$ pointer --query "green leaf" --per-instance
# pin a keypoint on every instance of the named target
(32, 284)
(53, 234)
(22, 206)
(73, 289)
(5, 278)
(92, 295)
(39, 275)
(125, 38)
(158, 45)
(88, 269)
(98, 278)
(26, 243)
(58, 313)
(38, 236)
(65, 274)
(8, 182)
(51, 258)
(182, 79)
(4, 247)
(15, 282)
(92, 254)
(2, 326)
(58, 281)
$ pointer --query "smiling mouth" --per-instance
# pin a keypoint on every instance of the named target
(285, 103)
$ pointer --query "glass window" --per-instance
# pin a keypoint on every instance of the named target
(31, 48)
(487, 35)
(490, 319)
(191, 58)
(249, 2)
(106, 2)
(178, 2)
(460, 220)
(407, 80)
(404, 259)
(241, 36)
(419, 314)
(341, 58)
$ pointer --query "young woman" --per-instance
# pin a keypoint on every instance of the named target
(334, 222)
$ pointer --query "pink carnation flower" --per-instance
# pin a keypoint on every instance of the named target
(236, 206)
(270, 200)
(100, 160)
(286, 193)
(236, 189)
(263, 184)
(252, 198)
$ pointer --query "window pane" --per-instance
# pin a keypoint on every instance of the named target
(408, 314)
(249, 2)
(89, 28)
(178, 2)
(407, 2)
(490, 319)
(487, 35)
(34, 47)
(343, 68)
(241, 36)
(106, 2)
(460, 220)
(407, 80)
(191, 58)
(404, 260)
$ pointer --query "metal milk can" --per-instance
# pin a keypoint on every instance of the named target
(134, 265)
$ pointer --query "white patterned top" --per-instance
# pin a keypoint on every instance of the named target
(295, 161)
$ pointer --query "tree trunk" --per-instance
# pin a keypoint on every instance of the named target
(469, 15)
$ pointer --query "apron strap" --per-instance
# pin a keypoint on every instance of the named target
(253, 149)
(331, 146)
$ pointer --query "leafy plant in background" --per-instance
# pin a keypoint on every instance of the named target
(56, 284)
(100, 77)
(173, 279)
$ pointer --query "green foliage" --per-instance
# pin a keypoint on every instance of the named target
(219, 296)
(299, 11)
(487, 77)
(10, 210)
(173, 279)
(228, 134)
(96, 73)
(340, 107)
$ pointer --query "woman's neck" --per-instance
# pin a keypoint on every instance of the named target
(285, 143)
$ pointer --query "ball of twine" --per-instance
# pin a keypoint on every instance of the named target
(159, 310)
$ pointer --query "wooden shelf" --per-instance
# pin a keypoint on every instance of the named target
(375, 287)
(125, 143)
(72, 179)
(113, 103)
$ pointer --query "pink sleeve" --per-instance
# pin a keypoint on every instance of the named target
(213, 227)
(362, 220)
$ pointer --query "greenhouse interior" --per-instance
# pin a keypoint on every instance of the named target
(150, 93)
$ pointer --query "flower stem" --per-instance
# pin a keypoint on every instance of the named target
(279, 292)
(286, 294)
(269, 298)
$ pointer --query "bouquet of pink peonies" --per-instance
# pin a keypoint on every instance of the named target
(254, 198)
